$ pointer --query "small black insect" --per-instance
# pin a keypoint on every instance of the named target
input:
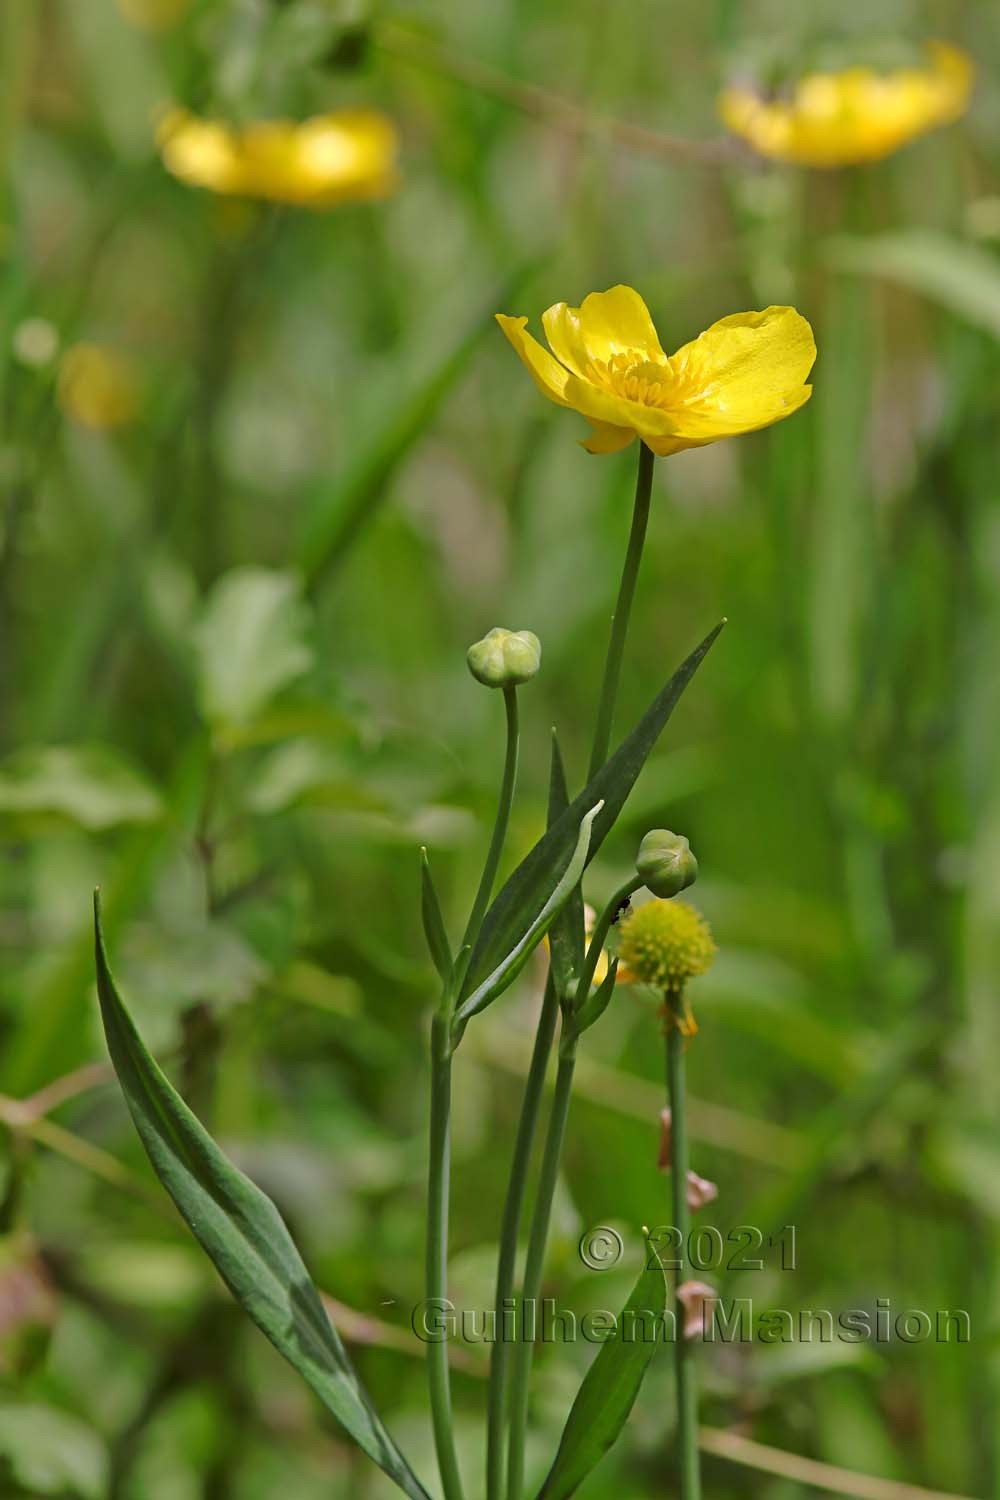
(623, 907)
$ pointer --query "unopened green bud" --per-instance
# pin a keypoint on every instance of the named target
(665, 864)
(505, 658)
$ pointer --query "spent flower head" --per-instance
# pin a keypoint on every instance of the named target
(665, 943)
(852, 115)
(745, 372)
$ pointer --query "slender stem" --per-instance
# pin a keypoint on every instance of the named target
(687, 1389)
(489, 874)
(513, 1206)
(438, 1373)
(534, 1266)
(623, 608)
(597, 938)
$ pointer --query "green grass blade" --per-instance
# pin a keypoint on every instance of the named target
(339, 514)
(242, 1233)
(610, 1386)
(524, 891)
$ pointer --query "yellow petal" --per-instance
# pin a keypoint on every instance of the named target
(607, 439)
(855, 115)
(599, 405)
(746, 371)
(605, 324)
(547, 373)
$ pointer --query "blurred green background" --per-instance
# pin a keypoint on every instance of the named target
(236, 588)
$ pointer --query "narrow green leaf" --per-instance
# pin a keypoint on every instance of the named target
(566, 932)
(437, 938)
(241, 1232)
(610, 1386)
(511, 965)
(963, 277)
(596, 1004)
(524, 890)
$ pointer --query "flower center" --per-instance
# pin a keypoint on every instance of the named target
(632, 376)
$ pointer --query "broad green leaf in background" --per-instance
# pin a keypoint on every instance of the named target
(524, 891)
(241, 1231)
(250, 642)
(91, 785)
(962, 277)
(610, 1386)
(50, 1452)
(511, 965)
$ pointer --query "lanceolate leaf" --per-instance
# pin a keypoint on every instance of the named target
(242, 1233)
(610, 1386)
(566, 932)
(434, 931)
(524, 891)
(511, 965)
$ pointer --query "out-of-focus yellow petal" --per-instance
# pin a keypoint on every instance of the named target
(853, 116)
(607, 439)
(746, 371)
(547, 373)
(98, 386)
(335, 158)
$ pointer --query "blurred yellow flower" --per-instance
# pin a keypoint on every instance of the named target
(330, 159)
(153, 15)
(744, 372)
(97, 386)
(857, 115)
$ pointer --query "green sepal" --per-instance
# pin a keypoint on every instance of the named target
(434, 931)
(524, 889)
(566, 935)
(513, 962)
(609, 1387)
(241, 1232)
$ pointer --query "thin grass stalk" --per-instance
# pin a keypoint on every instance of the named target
(689, 1470)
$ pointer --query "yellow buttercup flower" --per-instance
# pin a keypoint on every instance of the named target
(330, 159)
(857, 115)
(744, 372)
(98, 387)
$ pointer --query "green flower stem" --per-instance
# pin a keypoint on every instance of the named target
(601, 929)
(513, 1206)
(489, 874)
(687, 1389)
(511, 1223)
(543, 1206)
(534, 1265)
(438, 1373)
(623, 609)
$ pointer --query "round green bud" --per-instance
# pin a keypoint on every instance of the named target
(505, 658)
(665, 864)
